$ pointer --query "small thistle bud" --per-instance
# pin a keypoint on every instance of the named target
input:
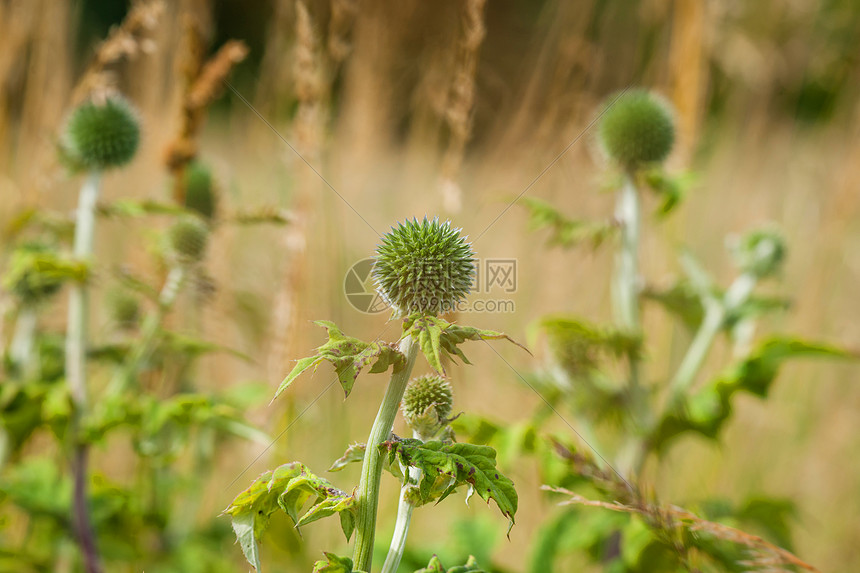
(187, 238)
(760, 252)
(101, 136)
(124, 308)
(637, 129)
(199, 189)
(424, 267)
(427, 404)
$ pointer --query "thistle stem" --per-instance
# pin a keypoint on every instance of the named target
(149, 331)
(715, 316)
(76, 350)
(412, 476)
(367, 496)
(23, 341)
(626, 287)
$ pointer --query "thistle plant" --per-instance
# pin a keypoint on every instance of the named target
(422, 268)
(98, 136)
(636, 130)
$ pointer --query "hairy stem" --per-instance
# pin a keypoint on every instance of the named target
(23, 341)
(404, 515)
(76, 349)
(626, 288)
(367, 496)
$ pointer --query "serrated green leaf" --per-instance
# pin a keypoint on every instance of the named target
(135, 208)
(565, 232)
(440, 339)
(355, 453)
(672, 188)
(287, 487)
(447, 466)
(349, 356)
(708, 409)
(334, 564)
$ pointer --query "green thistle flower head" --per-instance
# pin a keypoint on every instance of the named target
(102, 136)
(427, 404)
(424, 267)
(760, 252)
(123, 307)
(637, 128)
(199, 189)
(187, 238)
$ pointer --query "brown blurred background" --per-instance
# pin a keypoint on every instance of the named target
(454, 107)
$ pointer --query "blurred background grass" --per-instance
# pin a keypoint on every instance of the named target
(371, 93)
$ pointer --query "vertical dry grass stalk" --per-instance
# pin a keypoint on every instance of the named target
(343, 14)
(124, 42)
(689, 70)
(204, 84)
(310, 86)
(18, 26)
(461, 100)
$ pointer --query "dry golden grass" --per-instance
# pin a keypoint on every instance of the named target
(533, 89)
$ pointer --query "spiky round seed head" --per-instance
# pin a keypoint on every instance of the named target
(187, 238)
(101, 136)
(424, 267)
(427, 403)
(199, 189)
(637, 128)
(760, 252)
(124, 308)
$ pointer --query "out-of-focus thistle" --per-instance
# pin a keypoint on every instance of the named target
(187, 239)
(637, 128)
(425, 267)
(199, 187)
(760, 252)
(101, 136)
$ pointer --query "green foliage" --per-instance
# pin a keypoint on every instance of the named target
(671, 189)
(435, 566)
(101, 136)
(439, 338)
(133, 208)
(637, 128)
(36, 272)
(349, 356)
(565, 232)
(445, 467)
(287, 488)
(760, 252)
(579, 345)
(707, 410)
(425, 267)
(334, 564)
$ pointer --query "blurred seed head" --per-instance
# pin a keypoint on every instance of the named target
(427, 404)
(760, 252)
(424, 267)
(637, 128)
(187, 239)
(199, 189)
(101, 136)
(123, 308)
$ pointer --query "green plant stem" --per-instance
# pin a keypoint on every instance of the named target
(76, 350)
(23, 341)
(715, 316)
(626, 288)
(367, 496)
(149, 330)
(412, 476)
